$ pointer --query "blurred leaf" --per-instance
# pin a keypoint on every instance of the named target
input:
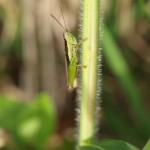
(110, 145)
(120, 68)
(147, 146)
(143, 9)
(116, 145)
(9, 112)
(90, 147)
(37, 122)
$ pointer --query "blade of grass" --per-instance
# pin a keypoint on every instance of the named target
(120, 69)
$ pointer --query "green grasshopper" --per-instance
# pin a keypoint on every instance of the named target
(71, 47)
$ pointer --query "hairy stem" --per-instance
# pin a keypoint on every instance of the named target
(90, 46)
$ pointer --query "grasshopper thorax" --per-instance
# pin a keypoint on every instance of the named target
(70, 42)
(70, 38)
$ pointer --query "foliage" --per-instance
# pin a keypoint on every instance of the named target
(126, 81)
(29, 125)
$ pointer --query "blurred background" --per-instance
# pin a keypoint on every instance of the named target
(36, 111)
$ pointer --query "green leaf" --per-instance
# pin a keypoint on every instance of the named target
(90, 147)
(147, 146)
(9, 112)
(37, 122)
(116, 145)
(120, 69)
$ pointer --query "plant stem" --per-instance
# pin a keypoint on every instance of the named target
(89, 72)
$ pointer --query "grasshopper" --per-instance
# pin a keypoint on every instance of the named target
(71, 48)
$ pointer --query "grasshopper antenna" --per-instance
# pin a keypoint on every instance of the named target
(57, 21)
(63, 17)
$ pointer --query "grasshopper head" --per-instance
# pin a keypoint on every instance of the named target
(70, 38)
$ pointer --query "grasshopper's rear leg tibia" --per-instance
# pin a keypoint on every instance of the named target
(80, 42)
